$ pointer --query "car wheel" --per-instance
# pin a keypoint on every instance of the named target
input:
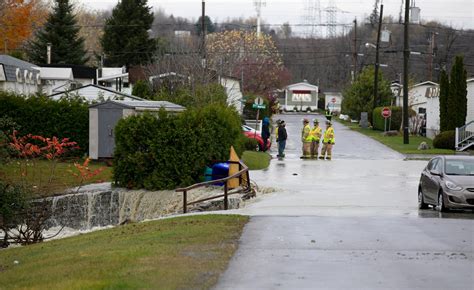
(257, 148)
(441, 205)
(421, 200)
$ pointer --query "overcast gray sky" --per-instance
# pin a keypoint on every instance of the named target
(458, 13)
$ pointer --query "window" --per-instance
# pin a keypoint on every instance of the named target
(432, 164)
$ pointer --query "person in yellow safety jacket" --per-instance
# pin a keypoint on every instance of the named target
(329, 140)
(315, 135)
(305, 139)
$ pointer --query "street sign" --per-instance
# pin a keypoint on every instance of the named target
(386, 112)
(256, 106)
(333, 100)
(259, 101)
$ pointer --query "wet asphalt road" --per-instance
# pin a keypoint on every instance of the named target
(349, 223)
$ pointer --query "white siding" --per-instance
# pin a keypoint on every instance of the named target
(94, 133)
(470, 101)
(432, 117)
(19, 88)
(234, 94)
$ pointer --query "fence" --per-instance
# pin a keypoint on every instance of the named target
(244, 179)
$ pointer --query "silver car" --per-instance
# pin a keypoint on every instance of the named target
(448, 183)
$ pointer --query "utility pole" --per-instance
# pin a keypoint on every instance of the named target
(431, 55)
(376, 76)
(406, 56)
(354, 55)
(203, 34)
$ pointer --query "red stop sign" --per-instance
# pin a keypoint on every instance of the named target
(386, 112)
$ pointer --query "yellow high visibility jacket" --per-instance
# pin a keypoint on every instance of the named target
(315, 134)
(305, 133)
(329, 136)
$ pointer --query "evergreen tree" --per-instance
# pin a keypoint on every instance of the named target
(210, 27)
(444, 119)
(360, 96)
(61, 32)
(126, 40)
(457, 108)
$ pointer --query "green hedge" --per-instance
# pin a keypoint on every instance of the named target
(165, 151)
(379, 121)
(445, 140)
(46, 117)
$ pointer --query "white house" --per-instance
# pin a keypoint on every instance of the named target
(301, 97)
(95, 93)
(333, 101)
(115, 77)
(19, 76)
(432, 109)
(55, 79)
(417, 96)
(233, 91)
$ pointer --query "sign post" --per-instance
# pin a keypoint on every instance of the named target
(386, 113)
(258, 104)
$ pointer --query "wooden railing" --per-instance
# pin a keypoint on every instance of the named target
(244, 180)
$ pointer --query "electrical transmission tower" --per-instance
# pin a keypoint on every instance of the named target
(312, 18)
(258, 7)
(331, 14)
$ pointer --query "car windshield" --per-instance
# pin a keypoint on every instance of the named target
(460, 167)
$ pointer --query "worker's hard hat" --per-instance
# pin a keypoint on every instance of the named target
(328, 123)
(316, 121)
(305, 120)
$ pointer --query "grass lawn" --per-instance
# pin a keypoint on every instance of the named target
(396, 142)
(179, 253)
(63, 176)
(256, 160)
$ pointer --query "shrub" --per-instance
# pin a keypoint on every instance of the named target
(244, 143)
(445, 140)
(168, 151)
(397, 118)
(379, 121)
(142, 89)
(39, 115)
(13, 202)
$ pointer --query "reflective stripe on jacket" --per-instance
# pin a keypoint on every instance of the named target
(305, 133)
(329, 136)
(315, 134)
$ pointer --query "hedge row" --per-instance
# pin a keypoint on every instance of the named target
(379, 121)
(46, 117)
(166, 151)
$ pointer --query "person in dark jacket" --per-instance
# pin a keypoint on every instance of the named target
(265, 132)
(281, 139)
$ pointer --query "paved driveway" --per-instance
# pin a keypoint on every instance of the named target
(349, 223)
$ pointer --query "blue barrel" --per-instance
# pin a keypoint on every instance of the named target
(208, 174)
(220, 170)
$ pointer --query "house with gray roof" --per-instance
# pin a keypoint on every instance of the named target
(19, 76)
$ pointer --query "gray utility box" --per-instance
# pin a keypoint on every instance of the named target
(104, 117)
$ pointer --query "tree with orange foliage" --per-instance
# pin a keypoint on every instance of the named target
(18, 21)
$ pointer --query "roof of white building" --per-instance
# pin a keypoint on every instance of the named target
(14, 67)
(302, 86)
(144, 105)
(91, 93)
(56, 73)
(426, 83)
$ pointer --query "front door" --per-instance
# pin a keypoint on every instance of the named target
(108, 119)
